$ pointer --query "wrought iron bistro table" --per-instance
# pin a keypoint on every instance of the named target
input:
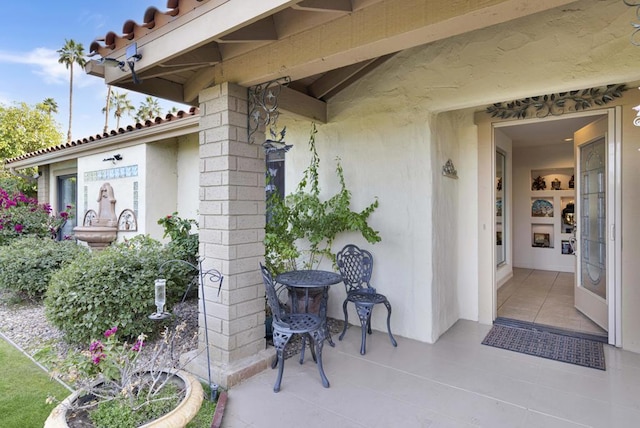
(306, 281)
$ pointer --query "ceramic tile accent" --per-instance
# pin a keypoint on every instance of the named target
(111, 173)
(135, 198)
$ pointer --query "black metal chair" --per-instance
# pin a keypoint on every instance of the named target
(286, 325)
(356, 267)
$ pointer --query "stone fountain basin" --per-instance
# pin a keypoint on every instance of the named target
(96, 236)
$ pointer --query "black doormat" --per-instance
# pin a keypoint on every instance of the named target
(559, 347)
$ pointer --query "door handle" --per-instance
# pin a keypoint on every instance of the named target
(612, 232)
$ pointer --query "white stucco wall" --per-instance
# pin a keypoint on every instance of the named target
(93, 171)
(188, 176)
(160, 192)
(373, 151)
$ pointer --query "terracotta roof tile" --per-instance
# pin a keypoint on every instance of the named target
(170, 117)
(153, 19)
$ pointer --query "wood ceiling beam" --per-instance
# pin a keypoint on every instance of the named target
(302, 105)
(200, 80)
(160, 88)
(324, 5)
(335, 78)
(259, 31)
(208, 54)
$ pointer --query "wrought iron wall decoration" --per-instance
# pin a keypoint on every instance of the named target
(127, 221)
(448, 170)
(556, 104)
(635, 38)
(263, 106)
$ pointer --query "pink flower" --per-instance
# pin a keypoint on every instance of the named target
(97, 358)
(111, 331)
(137, 347)
(18, 228)
(64, 214)
(96, 346)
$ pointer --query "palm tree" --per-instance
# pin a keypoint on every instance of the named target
(48, 105)
(149, 109)
(106, 110)
(70, 54)
(120, 104)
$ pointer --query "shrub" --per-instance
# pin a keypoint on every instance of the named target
(184, 244)
(26, 265)
(114, 287)
(22, 216)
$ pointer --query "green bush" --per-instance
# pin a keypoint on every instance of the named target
(114, 287)
(26, 265)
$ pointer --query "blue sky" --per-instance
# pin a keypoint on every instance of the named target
(31, 33)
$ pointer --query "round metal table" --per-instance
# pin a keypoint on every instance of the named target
(306, 280)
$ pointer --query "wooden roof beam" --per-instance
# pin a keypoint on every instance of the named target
(325, 5)
(261, 30)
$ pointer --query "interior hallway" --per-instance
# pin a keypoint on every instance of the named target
(543, 297)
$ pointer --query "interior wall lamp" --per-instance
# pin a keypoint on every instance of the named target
(132, 56)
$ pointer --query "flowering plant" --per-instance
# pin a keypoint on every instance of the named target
(131, 377)
(21, 215)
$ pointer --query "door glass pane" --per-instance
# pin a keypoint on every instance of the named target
(67, 188)
(501, 209)
(593, 218)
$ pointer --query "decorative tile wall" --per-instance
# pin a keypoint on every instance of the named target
(111, 173)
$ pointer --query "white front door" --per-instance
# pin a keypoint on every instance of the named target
(595, 221)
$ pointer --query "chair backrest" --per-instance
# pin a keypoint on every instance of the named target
(355, 266)
(272, 295)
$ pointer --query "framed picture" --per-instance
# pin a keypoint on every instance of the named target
(541, 240)
(566, 247)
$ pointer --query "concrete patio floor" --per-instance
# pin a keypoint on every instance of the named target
(457, 382)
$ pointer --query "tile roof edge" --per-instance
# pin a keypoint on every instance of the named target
(169, 117)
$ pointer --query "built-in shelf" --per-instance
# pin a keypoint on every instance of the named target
(550, 227)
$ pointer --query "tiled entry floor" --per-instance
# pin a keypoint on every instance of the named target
(543, 297)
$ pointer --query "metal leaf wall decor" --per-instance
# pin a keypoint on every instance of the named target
(556, 104)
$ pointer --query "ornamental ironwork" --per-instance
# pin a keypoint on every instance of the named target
(556, 104)
(635, 37)
(263, 106)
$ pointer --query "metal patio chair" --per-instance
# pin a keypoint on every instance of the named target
(356, 267)
(286, 325)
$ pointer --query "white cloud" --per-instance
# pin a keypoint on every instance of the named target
(44, 63)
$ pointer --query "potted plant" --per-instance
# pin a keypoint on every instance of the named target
(121, 385)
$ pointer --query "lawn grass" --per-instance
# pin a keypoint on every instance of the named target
(24, 388)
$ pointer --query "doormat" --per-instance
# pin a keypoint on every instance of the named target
(573, 350)
(527, 325)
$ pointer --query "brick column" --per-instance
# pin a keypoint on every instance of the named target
(232, 218)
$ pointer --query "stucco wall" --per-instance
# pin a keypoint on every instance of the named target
(388, 157)
(94, 170)
(161, 190)
(188, 176)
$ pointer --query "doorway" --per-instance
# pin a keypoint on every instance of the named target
(536, 284)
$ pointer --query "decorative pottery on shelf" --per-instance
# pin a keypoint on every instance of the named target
(184, 412)
(541, 208)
